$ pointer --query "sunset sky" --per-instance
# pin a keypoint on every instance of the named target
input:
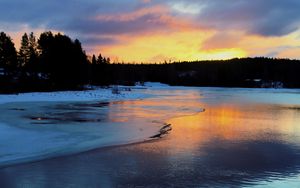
(159, 30)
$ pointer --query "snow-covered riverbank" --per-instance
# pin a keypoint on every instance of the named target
(25, 137)
(65, 96)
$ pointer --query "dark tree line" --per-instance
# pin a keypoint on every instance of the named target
(51, 62)
(244, 72)
(56, 62)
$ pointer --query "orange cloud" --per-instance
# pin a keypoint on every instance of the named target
(271, 46)
(223, 40)
(190, 43)
(159, 17)
(156, 10)
(174, 46)
(293, 53)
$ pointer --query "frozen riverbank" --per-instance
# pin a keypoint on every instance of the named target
(23, 137)
(65, 96)
(36, 126)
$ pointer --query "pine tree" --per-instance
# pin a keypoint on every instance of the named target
(94, 60)
(28, 54)
(33, 53)
(24, 52)
(100, 59)
(8, 53)
(32, 45)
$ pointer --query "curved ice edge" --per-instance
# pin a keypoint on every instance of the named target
(162, 132)
(59, 153)
(167, 128)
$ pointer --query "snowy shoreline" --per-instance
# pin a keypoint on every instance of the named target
(35, 157)
(105, 94)
(44, 144)
(95, 94)
(70, 96)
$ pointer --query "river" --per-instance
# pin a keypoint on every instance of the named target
(220, 138)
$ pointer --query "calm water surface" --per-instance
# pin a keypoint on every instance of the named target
(245, 138)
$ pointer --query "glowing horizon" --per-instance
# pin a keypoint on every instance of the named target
(156, 31)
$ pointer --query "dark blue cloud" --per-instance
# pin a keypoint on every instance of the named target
(56, 13)
(267, 18)
(69, 16)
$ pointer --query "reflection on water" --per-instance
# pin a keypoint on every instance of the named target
(231, 144)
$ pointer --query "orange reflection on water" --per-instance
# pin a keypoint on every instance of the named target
(235, 123)
(219, 121)
(225, 121)
(129, 110)
(157, 110)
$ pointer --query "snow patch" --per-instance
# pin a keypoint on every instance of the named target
(69, 96)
